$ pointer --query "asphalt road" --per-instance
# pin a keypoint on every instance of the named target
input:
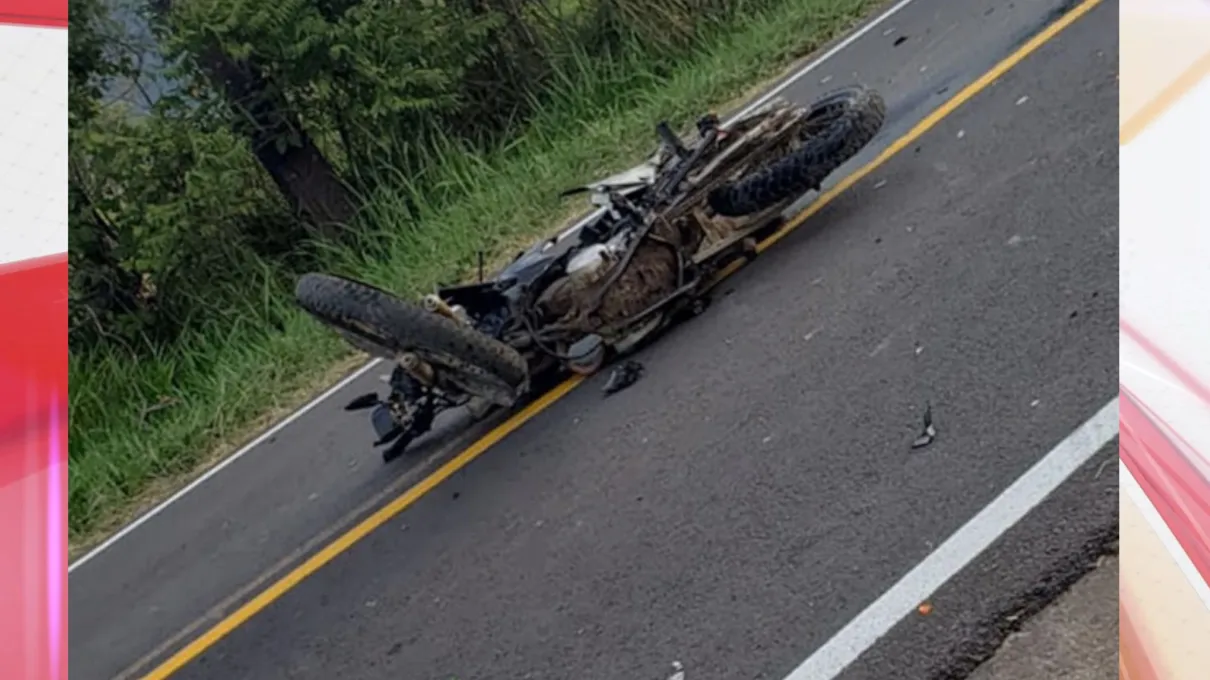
(756, 489)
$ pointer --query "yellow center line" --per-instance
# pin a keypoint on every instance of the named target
(329, 552)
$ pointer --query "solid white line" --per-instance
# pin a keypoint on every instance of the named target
(217, 468)
(762, 100)
(815, 63)
(961, 548)
(1163, 532)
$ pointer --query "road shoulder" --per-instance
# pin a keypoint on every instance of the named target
(1011, 585)
(1076, 637)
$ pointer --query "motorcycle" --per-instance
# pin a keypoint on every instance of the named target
(661, 234)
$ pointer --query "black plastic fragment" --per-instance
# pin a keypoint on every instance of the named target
(623, 376)
(929, 433)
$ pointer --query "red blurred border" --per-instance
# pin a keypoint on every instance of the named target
(33, 469)
(33, 439)
(1186, 378)
(1156, 455)
(33, 356)
(1135, 657)
(1173, 484)
(1163, 464)
(48, 13)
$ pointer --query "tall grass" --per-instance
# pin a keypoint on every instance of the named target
(136, 424)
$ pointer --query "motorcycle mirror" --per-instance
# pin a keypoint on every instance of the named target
(363, 402)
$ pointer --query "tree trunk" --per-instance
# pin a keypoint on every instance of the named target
(305, 177)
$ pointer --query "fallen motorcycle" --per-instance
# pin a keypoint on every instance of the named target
(660, 237)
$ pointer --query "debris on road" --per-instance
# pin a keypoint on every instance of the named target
(678, 671)
(623, 376)
(929, 433)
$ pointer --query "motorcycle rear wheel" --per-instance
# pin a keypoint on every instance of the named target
(478, 364)
(835, 128)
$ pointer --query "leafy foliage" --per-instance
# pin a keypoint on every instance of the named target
(169, 202)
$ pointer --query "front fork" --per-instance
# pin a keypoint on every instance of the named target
(406, 413)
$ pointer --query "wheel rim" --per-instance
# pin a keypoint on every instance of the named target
(822, 117)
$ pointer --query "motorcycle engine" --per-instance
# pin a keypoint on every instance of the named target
(587, 266)
(590, 263)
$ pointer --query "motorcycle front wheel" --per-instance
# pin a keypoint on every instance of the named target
(836, 126)
(480, 365)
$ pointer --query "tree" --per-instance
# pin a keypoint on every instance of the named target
(305, 177)
(103, 286)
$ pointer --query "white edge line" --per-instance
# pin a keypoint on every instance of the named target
(761, 101)
(277, 427)
(849, 40)
(962, 547)
(1164, 533)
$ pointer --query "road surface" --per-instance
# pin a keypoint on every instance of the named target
(756, 490)
(1075, 638)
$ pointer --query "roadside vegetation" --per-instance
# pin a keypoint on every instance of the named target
(391, 140)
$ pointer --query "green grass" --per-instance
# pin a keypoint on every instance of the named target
(139, 428)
